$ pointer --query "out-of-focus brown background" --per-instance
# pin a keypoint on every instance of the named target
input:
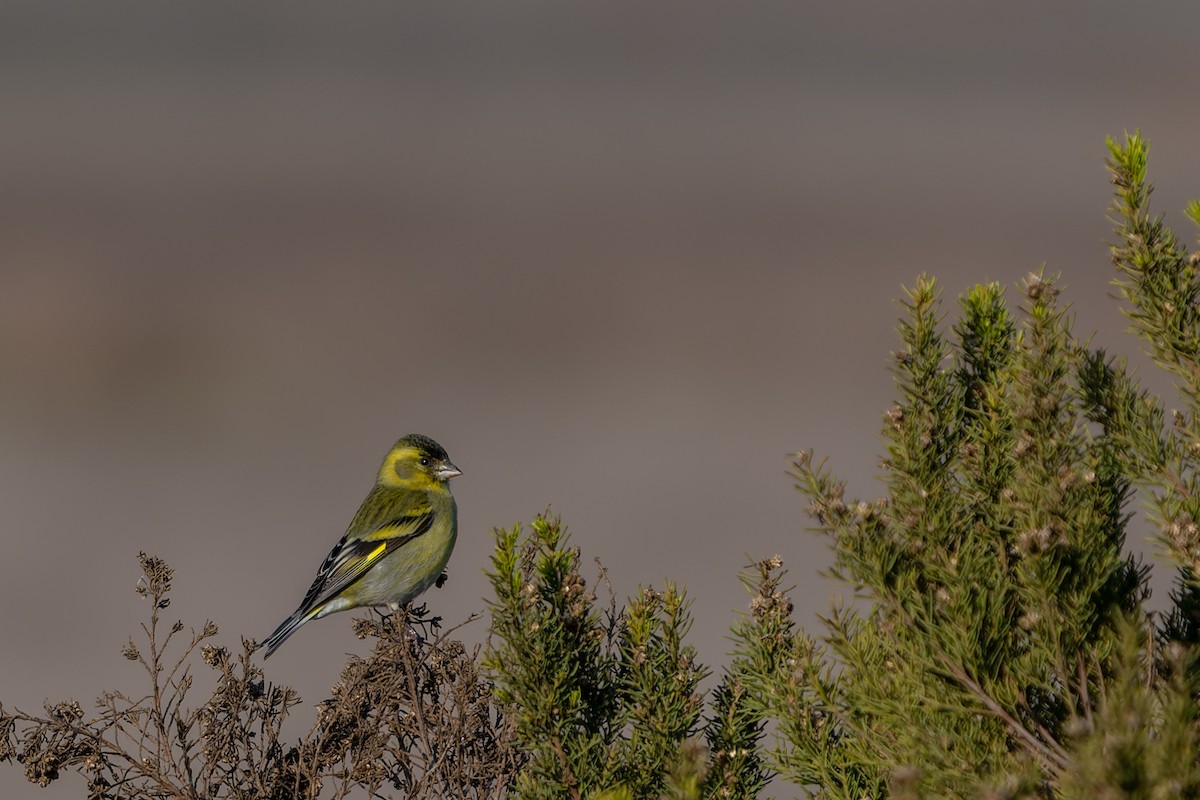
(618, 258)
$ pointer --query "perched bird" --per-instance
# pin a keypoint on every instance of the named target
(398, 543)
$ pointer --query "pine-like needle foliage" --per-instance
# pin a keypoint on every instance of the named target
(602, 700)
(1000, 644)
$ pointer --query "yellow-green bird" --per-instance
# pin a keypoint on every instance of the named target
(396, 546)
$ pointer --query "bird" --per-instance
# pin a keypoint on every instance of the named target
(397, 545)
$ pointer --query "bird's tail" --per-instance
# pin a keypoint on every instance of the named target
(286, 629)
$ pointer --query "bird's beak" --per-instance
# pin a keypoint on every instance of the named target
(447, 471)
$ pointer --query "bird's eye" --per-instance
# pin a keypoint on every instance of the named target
(424, 461)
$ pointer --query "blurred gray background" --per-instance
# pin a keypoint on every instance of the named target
(620, 259)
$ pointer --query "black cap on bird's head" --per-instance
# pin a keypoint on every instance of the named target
(423, 443)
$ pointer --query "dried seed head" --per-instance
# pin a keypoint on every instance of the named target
(214, 656)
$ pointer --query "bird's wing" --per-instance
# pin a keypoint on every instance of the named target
(352, 557)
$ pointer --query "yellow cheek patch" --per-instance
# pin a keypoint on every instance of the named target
(388, 475)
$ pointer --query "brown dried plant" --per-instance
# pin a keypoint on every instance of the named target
(413, 719)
